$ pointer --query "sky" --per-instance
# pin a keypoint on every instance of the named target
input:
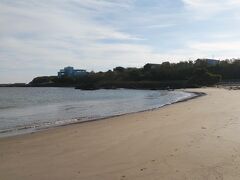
(38, 38)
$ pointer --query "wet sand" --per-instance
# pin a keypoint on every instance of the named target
(196, 139)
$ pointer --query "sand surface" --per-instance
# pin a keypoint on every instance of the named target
(197, 139)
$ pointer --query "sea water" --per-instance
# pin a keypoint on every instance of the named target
(29, 109)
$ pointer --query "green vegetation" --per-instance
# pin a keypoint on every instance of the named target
(152, 76)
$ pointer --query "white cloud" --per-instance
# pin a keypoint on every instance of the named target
(216, 46)
(39, 37)
(51, 34)
(213, 4)
(215, 49)
(203, 9)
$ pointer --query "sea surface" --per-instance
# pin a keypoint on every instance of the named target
(24, 110)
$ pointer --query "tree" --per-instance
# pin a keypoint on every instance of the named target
(202, 77)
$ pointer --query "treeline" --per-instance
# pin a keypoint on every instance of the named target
(152, 76)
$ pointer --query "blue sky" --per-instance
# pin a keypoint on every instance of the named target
(40, 37)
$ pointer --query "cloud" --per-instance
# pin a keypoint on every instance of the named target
(221, 49)
(203, 9)
(40, 37)
(51, 34)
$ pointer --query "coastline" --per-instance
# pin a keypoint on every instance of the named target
(190, 140)
(35, 129)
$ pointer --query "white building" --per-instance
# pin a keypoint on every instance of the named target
(71, 72)
(209, 61)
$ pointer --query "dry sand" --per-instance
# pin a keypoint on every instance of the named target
(197, 139)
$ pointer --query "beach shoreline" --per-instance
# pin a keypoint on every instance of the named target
(189, 140)
(33, 129)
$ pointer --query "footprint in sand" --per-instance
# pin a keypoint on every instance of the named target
(123, 177)
(143, 169)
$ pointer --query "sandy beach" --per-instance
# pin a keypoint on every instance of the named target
(196, 139)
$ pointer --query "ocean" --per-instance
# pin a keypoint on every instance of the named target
(24, 110)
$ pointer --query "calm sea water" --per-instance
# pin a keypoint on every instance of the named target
(25, 110)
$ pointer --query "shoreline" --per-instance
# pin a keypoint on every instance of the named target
(194, 139)
(30, 129)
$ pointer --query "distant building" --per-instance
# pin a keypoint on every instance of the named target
(210, 61)
(71, 72)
